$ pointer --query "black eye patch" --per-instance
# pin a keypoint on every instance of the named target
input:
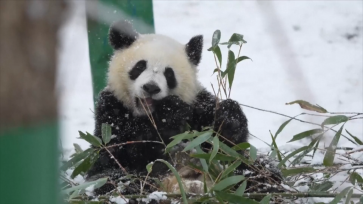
(139, 67)
(170, 77)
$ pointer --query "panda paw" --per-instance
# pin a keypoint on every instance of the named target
(231, 122)
(172, 109)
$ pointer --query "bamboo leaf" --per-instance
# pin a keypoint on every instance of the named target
(231, 67)
(215, 148)
(149, 167)
(253, 153)
(241, 146)
(291, 155)
(231, 198)
(356, 139)
(97, 184)
(339, 197)
(294, 171)
(322, 187)
(215, 39)
(266, 199)
(282, 126)
(218, 53)
(228, 182)
(308, 106)
(231, 168)
(95, 141)
(218, 157)
(335, 120)
(106, 132)
(276, 148)
(330, 153)
(77, 148)
(241, 189)
(349, 196)
(305, 134)
(78, 157)
(198, 140)
(85, 165)
(241, 58)
(182, 192)
(355, 177)
(178, 138)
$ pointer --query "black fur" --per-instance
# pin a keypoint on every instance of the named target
(122, 35)
(170, 78)
(139, 67)
(171, 115)
(194, 49)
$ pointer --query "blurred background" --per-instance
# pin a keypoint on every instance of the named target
(308, 50)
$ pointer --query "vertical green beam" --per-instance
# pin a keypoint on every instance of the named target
(108, 11)
(29, 164)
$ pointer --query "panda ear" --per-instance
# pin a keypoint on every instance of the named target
(122, 35)
(194, 49)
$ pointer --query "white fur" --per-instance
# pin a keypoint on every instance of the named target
(160, 52)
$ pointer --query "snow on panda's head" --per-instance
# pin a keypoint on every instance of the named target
(146, 68)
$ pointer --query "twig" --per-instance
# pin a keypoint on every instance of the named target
(118, 163)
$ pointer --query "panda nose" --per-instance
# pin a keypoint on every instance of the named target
(151, 89)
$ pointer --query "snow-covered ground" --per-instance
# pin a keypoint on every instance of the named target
(309, 50)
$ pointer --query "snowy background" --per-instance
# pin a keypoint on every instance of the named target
(309, 50)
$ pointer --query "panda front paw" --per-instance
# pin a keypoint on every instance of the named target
(231, 122)
(173, 110)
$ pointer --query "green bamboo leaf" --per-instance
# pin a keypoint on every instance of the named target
(305, 152)
(202, 161)
(253, 153)
(308, 106)
(96, 184)
(228, 182)
(335, 120)
(182, 192)
(231, 198)
(291, 155)
(216, 38)
(199, 140)
(330, 153)
(294, 171)
(241, 58)
(77, 148)
(276, 148)
(322, 187)
(241, 189)
(356, 139)
(305, 134)
(266, 199)
(241, 146)
(339, 197)
(282, 126)
(178, 138)
(231, 68)
(76, 158)
(85, 165)
(225, 148)
(95, 141)
(106, 132)
(149, 167)
(355, 177)
(349, 196)
(218, 53)
(215, 148)
(218, 157)
(231, 168)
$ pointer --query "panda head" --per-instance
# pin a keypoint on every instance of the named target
(146, 68)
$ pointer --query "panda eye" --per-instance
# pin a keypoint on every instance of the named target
(138, 68)
(170, 77)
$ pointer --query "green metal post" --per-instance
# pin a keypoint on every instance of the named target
(140, 12)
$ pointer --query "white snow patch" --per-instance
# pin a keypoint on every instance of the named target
(119, 200)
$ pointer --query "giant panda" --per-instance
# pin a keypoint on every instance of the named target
(152, 94)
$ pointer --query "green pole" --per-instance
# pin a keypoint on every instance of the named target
(100, 15)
